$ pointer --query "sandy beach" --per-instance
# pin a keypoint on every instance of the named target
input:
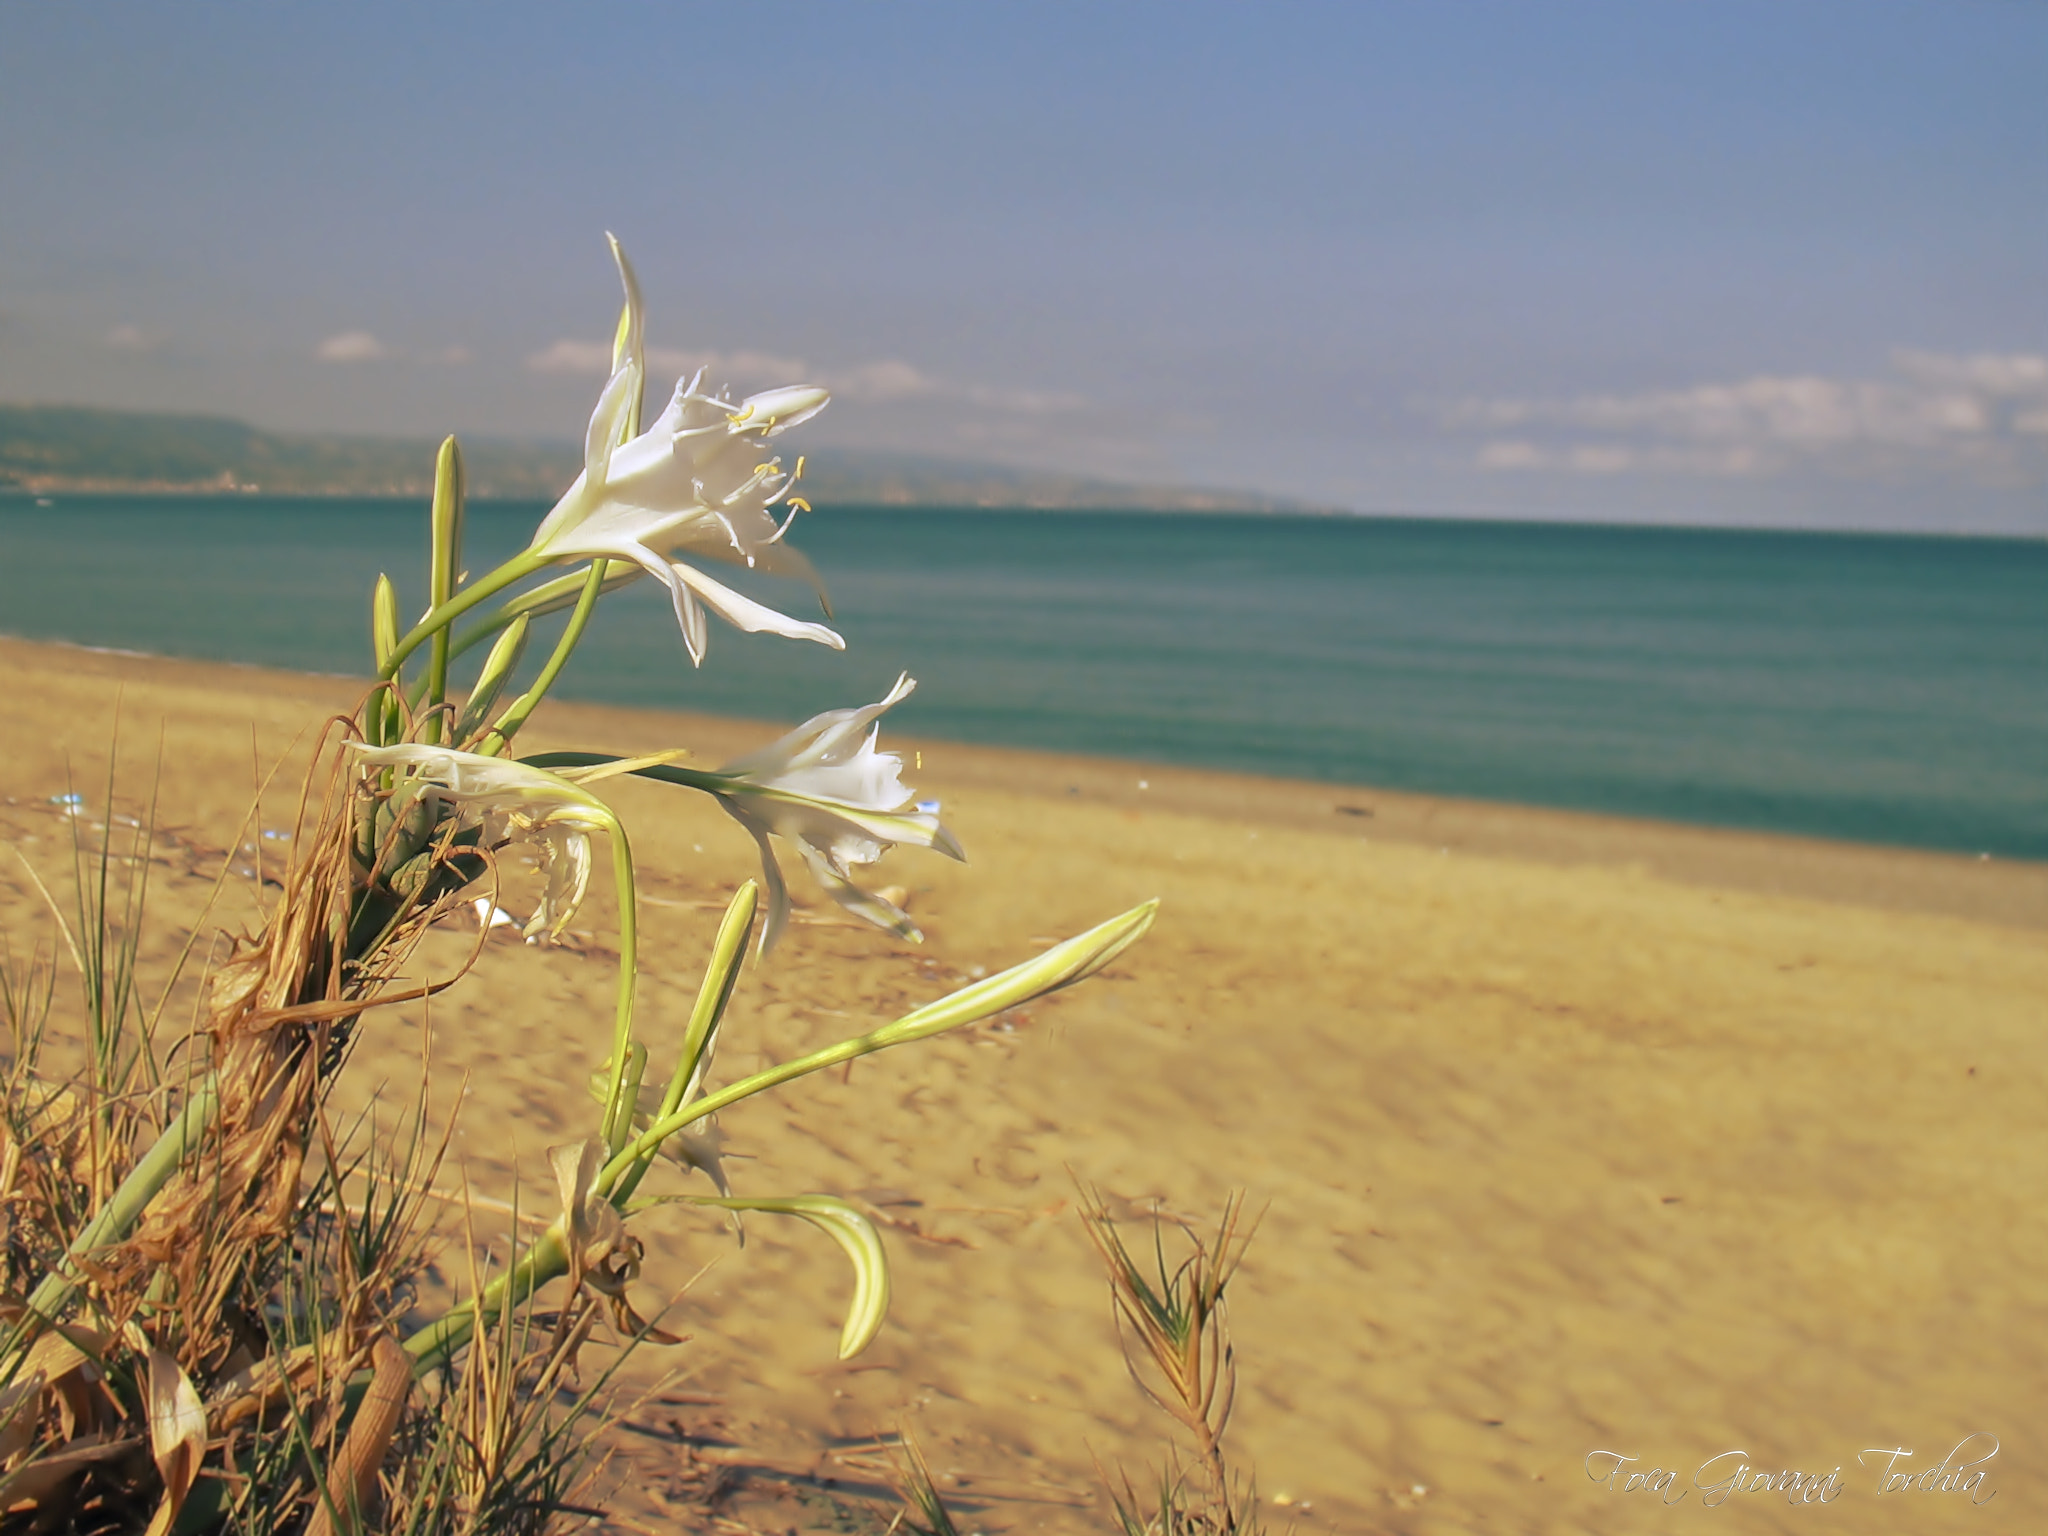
(1571, 1134)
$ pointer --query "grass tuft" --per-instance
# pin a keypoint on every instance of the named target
(1174, 1331)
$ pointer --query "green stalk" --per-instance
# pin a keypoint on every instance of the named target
(507, 724)
(383, 713)
(895, 825)
(518, 568)
(721, 974)
(125, 1206)
(443, 566)
(548, 1258)
(437, 1343)
(618, 1112)
(1061, 966)
(537, 602)
(667, 773)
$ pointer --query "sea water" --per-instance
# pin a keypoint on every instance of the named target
(1880, 688)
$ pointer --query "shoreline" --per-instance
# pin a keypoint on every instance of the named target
(1887, 877)
(1486, 517)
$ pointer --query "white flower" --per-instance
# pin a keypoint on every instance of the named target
(696, 482)
(509, 799)
(826, 789)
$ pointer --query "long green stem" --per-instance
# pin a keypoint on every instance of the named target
(894, 825)
(1061, 966)
(618, 1111)
(125, 1206)
(666, 773)
(515, 715)
(547, 1259)
(537, 602)
(721, 974)
(518, 568)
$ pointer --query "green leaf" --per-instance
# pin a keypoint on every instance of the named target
(445, 552)
(1061, 966)
(721, 972)
(384, 620)
(444, 560)
(538, 602)
(855, 1235)
(498, 669)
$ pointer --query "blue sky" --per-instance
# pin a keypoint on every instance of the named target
(1773, 263)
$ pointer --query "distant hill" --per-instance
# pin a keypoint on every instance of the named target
(45, 448)
(71, 448)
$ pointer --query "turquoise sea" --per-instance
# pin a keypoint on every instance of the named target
(1878, 688)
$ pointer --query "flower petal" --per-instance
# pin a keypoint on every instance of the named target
(865, 905)
(744, 613)
(689, 616)
(825, 821)
(771, 876)
(828, 738)
(566, 855)
(606, 422)
(631, 345)
(775, 410)
(703, 1150)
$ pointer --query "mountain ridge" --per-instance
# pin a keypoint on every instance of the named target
(47, 449)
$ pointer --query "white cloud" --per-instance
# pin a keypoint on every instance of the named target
(2010, 375)
(890, 379)
(133, 338)
(351, 347)
(746, 365)
(884, 382)
(594, 358)
(572, 357)
(1974, 413)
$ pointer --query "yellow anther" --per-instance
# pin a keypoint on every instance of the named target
(798, 504)
(798, 472)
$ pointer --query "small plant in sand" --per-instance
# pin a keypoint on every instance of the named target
(1175, 1337)
(1175, 1334)
(210, 1293)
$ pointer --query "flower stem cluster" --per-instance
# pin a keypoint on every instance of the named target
(436, 795)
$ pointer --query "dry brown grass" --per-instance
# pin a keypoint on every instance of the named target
(232, 1361)
(1175, 1333)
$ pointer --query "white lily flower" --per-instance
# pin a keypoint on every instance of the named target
(512, 800)
(826, 789)
(696, 482)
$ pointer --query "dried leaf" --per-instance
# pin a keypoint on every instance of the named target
(32, 1486)
(591, 1227)
(177, 1435)
(352, 1481)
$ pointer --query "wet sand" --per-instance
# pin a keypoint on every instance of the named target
(1571, 1134)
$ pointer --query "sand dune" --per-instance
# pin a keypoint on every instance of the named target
(1571, 1134)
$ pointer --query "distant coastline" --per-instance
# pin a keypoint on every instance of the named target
(50, 450)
